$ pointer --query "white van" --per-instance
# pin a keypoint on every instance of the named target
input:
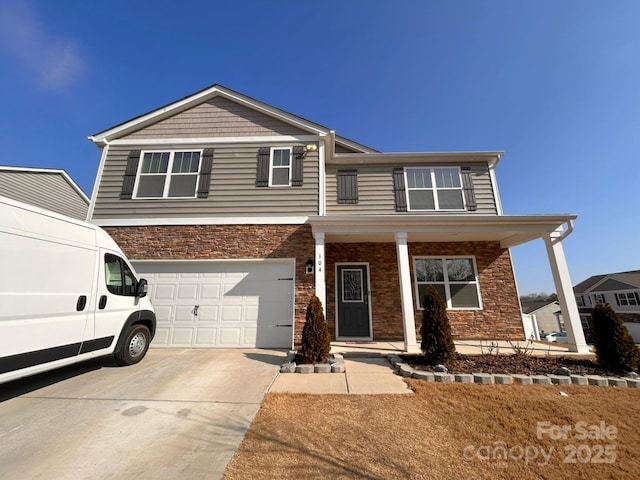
(67, 294)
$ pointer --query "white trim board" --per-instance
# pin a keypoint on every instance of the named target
(141, 222)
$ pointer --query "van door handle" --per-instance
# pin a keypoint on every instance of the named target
(82, 302)
(103, 302)
(195, 310)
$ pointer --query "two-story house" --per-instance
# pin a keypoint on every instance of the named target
(621, 290)
(237, 212)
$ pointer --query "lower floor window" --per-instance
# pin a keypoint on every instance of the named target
(455, 279)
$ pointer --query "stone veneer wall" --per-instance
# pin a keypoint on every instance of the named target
(500, 316)
(189, 242)
(499, 319)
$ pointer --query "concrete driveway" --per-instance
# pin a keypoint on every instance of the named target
(177, 414)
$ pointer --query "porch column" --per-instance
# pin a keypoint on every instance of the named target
(406, 297)
(564, 290)
(321, 290)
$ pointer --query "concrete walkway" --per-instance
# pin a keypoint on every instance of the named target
(364, 376)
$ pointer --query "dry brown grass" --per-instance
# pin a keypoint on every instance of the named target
(424, 436)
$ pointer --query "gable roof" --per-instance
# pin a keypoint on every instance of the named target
(609, 281)
(533, 307)
(48, 188)
(215, 90)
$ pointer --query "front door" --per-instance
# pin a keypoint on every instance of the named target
(353, 302)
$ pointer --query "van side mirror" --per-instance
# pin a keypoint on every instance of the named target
(142, 288)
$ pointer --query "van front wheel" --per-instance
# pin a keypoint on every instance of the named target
(134, 347)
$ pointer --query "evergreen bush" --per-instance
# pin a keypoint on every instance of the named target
(615, 348)
(437, 342)
(316, 340)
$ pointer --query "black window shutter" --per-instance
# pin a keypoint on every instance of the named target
(262, 171)
(398, 189)
(347, 186)
(205, 173)
(467, 189)
(130, 173)
(297, 166)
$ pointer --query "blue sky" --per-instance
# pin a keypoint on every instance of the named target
(552, 83)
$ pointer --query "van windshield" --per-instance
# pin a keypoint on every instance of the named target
(118, 276)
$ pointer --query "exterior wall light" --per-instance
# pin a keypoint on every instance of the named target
(309, 266)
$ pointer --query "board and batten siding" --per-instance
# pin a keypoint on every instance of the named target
(218, 117)
(232, 193)
(44, 190)
(375, 191)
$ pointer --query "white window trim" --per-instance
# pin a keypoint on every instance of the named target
(168, 174)
(446, 282)
(434, 189)
(271, 167)
(628, 298)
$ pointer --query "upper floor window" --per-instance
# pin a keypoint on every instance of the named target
(434, 188)
(627, 298)
(454, 278)
(598, 298)
(580, 301)
(280, 171)
(168, 174)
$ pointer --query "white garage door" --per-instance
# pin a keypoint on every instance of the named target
(221, 304)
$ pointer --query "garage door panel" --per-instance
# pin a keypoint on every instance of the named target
(230, 336)
(164, 292)
(187, 292)
(239, 304)
(206, 337)
(182, 336)
(207, 313)
(249, 335)
(210, 292)
(184, 314)
(251, 313)
(231, 313)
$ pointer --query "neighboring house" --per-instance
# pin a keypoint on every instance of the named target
(548, 315)
(46, 188)
(237, 212)
(620, 290)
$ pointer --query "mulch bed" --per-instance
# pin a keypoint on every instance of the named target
(518, 363)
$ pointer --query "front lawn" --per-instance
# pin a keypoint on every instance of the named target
(445, 431)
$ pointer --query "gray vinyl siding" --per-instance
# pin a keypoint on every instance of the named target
(219, 117)
(375, 191)
(44, 190)
(232, 194)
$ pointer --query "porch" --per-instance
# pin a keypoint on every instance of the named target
(412, 236)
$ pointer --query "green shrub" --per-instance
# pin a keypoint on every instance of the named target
(316, 340)
(437, 341)
(615, 348)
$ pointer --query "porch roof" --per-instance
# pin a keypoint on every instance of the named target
(509, 230)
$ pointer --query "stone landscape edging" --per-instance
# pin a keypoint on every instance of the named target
(333, 365)
(407, 371)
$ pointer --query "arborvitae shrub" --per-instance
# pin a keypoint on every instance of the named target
(615, 348)
(437, 341)
(316, 341)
